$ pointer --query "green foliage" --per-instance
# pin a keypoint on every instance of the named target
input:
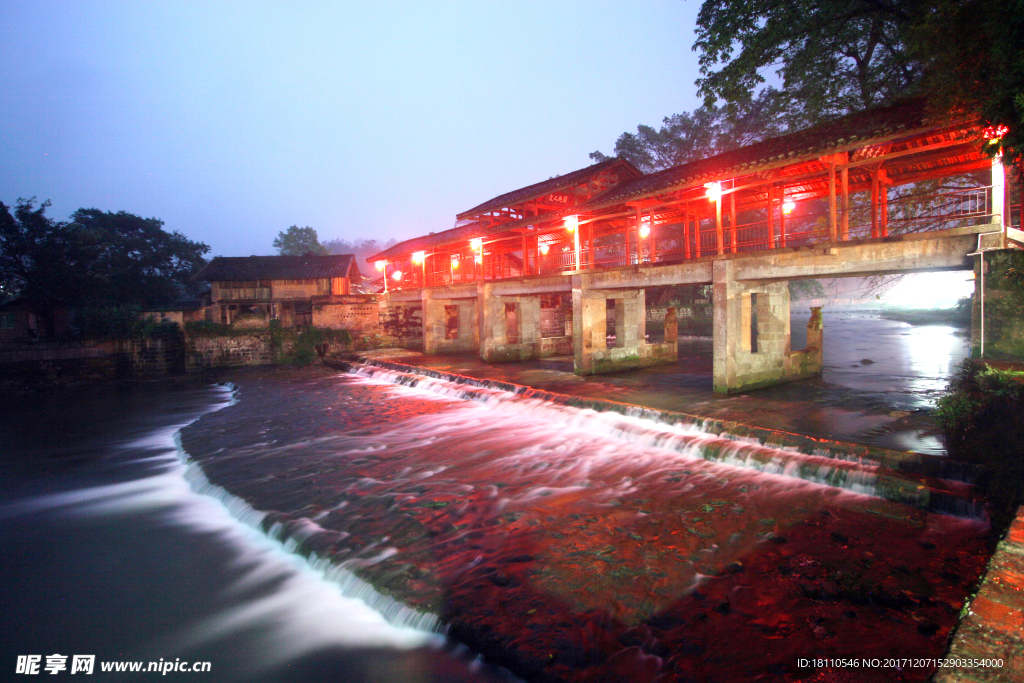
(311, 342)
(706, 131)
(208, 328)
(972, 56)
(96, 260)
(837, 57)
(979, 416)
(119, 322)
(832, 57)
(297, 241)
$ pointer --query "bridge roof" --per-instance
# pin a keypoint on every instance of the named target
(546, 187)
(855, 130)
(912, 144)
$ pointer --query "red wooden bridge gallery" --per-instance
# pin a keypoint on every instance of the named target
(869, 175)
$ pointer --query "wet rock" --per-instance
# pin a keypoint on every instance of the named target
(501, 579)
(927, 629)
(839, 538)
(866, 361)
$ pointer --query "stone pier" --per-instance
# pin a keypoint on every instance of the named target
(591, 353)
(449, 324)
(752, 334)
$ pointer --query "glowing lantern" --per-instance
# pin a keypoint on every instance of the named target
(788, 206)
(476, 244)
(479, 258)
(544, 249)
(381, 265)
(995, 133)
(571, 222)
(418, 256)
(455, 262)
(645, 229)
(396, 276)
(714, 191)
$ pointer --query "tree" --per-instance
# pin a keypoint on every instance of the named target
(832, 57)
(974, 61)
(837, 57)
(707, 131)
(97, 259)
(297, 241)
(133, 260)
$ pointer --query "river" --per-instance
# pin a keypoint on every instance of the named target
(614, 553)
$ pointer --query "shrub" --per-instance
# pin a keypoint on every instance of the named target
(980, 418)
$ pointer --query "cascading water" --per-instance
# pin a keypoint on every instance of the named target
(690, 438)
(569, 543)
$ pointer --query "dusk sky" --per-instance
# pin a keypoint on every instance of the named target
(233, 121)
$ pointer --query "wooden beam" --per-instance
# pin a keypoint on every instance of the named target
(771, 218)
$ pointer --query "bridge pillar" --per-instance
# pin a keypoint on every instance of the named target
(591, 353)
(509, 326)
(449, 325)
(752, 335)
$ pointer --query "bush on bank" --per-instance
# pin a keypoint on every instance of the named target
(982, 419)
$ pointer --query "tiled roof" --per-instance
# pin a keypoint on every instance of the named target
(462, 233)
(546, 187)
(307, 267)
(852, 130)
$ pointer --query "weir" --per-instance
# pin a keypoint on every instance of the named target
(902, 477)
(747, 222)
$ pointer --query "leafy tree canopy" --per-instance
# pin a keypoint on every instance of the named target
(836, 57)
(95, 259)
(768, 65)
(706, 131)
(296, 241)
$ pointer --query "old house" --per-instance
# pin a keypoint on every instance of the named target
(297, 290)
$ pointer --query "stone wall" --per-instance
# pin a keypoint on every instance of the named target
(591, 352)
(402, 324)
(1004, 305)
(360, 315)
(229, 351)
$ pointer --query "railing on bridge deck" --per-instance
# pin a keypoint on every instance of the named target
(674, 243)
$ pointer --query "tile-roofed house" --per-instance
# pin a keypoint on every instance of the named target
(292, 289)
(307, 266)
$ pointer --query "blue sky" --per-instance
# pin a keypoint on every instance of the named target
(231, 121)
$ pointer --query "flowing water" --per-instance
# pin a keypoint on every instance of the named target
(111, 550)
(562, 542)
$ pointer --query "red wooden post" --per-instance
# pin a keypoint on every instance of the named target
(832, 232)
(732, 218)
(719, 236)
(874, 203)
(771, 222)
